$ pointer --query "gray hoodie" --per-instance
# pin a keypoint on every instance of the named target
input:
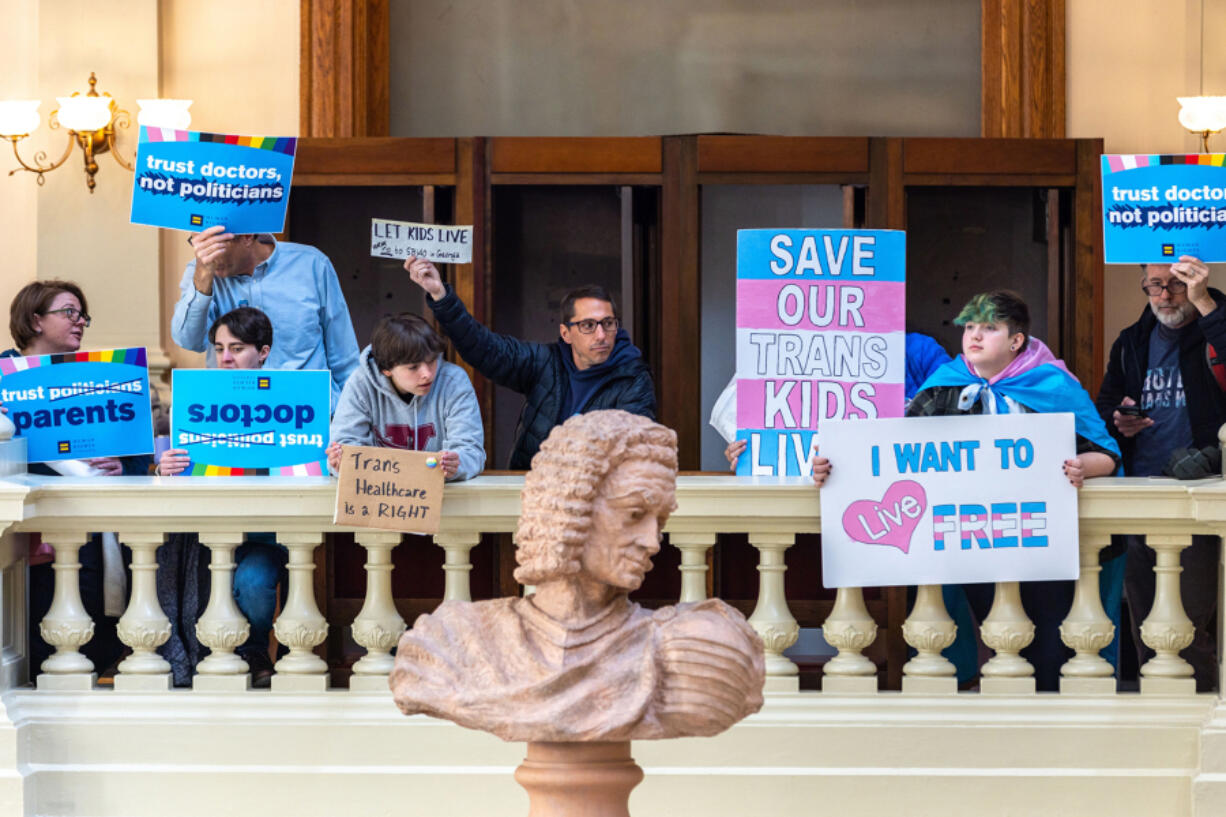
(372, 412)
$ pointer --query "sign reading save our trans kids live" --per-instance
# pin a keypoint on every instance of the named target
(1157, 208)
(79, 405)
(441, 243)
(186, 180)
(934, 500)
(820, 318)
(251, 422)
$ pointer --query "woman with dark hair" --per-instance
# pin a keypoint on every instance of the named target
(1004, 370)
(50, 318)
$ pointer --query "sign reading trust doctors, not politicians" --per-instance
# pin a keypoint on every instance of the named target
(820, 318)
(186, 180)
(1157, 208)
(79, 405)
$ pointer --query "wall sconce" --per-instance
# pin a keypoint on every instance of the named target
(91, 121)
(1203, 115)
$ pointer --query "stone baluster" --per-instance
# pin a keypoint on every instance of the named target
(1087, 629)
(694, 548)
(67, 626)
(222, 628)
(771, 617)
(1007, 630)
(378, 625)
(929, 629)
(850, 629)
(301, 626)
(1167, 629)
(456, 565)
(143, 626)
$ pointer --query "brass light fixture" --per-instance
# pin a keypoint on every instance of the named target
(1203, 115)
(91, 120)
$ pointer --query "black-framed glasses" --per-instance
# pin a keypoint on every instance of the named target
(588, 326)
(71, 313)
(1174, 286)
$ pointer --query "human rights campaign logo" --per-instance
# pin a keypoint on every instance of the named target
(64, 447)
(1168, 250)
(196, 220)
(263, 383)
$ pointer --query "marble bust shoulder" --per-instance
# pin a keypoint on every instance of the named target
(577, 660)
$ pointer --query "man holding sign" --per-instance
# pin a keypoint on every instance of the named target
(295, 285)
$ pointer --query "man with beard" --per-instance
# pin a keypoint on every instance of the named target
(1165, 390)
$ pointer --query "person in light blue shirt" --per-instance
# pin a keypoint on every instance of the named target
(295, 285)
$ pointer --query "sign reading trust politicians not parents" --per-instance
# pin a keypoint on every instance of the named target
(820, 318)
(186, 180)
(1159, 207)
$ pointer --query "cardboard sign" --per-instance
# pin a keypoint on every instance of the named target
(251, 422)
(820, 318)
(79, 405)
(186, 180)
(441, 243)
(389, 489)
(1157, 208)
(944, 500)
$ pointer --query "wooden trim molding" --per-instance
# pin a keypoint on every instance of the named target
(344, 72)
(1023, 72)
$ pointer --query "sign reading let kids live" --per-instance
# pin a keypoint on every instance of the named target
(820, 335)
(79, 405)
(933, 500)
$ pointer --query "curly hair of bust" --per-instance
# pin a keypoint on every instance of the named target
(567, 474)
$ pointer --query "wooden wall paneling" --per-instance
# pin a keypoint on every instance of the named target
(886, 198)
(1023, 70)
(550, 155)
(375, 161)
(344, 73)
(782, 154)
(1055, 267)
(989, 158)
(679, 337)
(1084, 287)
(472, 281)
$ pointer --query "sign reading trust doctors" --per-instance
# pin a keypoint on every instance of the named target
(1157, 208)
(186, 180)
(820, 318)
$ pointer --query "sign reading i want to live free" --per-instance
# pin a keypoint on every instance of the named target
(820, 318)
(251, 422)
(187, 180)
(80, 404)
(936, 500)
(1159, 207)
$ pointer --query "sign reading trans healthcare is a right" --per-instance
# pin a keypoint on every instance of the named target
(1157, 208)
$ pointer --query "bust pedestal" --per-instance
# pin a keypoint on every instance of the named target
(579, 779)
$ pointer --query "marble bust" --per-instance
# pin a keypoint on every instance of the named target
(577, 660)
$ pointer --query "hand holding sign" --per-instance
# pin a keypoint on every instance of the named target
(426, 276)
(209, 245)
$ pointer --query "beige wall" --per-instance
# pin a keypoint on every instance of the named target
(1127, 61)
(18, 194)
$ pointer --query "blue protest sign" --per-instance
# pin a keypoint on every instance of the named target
(251, 422)
(1157, 208)
(79, 405)
(186, 180)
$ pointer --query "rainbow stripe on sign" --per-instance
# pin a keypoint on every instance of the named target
(133, 357)
(281, 144)
(318, 468)
(1116, 164)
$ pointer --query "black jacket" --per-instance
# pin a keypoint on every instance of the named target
(1130, 359)
(538, 371)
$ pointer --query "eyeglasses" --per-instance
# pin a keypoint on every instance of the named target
(72, 314)
(1175, 286)
(588, 326)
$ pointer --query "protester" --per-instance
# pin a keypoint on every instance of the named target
(1003, 370)
(295, 285)
(593, 366)
(241, 339)
(50, 318)
(404, 395)
(1164, 398)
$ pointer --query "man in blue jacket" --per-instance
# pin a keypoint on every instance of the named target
(594, 365)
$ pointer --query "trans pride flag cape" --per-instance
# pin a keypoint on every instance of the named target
(1036, 379)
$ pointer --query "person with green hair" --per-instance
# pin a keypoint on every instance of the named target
(1004, 370)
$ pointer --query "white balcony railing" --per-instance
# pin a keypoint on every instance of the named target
(1172, 733)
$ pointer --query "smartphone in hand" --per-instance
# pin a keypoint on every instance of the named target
(1132, 411)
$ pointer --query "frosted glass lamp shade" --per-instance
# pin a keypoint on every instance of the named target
(1202, 113)
(164, 113)
(18, 117)
(84, 113)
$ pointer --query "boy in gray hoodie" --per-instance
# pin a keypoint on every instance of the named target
(404, 395)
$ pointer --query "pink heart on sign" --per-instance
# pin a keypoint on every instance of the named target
(890, 521)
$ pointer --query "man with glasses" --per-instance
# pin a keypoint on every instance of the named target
(594, 365)
(1164, 398)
